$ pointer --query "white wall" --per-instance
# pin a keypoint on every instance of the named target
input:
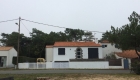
(49, 54)
(23, 65)
(12, 53)
(95, 65)
(109, 49)
(70, 53)
(77, 65)
(49, 64)
(74, 65)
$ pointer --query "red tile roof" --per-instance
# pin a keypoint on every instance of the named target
(76, 44)
(127, 54)
(5, 48)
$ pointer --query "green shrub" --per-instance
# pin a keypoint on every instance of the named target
(135, 65)
(23, 59)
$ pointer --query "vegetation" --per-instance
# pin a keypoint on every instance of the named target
(110, 56)
(126, 37)
(23, 59)
(34, 46)
(136, 66)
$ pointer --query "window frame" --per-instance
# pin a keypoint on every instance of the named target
(60, 52)
(79, 55)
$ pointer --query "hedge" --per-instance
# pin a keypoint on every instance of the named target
(23, 59)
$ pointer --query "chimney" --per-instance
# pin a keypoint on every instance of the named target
(95, 40)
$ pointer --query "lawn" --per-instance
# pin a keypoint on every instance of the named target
(74, 76)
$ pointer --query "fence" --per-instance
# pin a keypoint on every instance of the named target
(115, 62)
(93, 64)
(32, 65)
(103, 64)
(37, 65)
(61, 65)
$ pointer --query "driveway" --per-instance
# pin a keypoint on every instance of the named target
(63, 71)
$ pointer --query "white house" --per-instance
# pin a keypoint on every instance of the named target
(65, 51)
(76, 55)
(109, 48)
(6, 56)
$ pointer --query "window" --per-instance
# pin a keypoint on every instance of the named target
(103, 46)
(61, 51)
(79, 53)
(116, 46)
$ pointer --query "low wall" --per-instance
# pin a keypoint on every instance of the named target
(71, 65)
(92, 65)
(23, 65)
(49, 64)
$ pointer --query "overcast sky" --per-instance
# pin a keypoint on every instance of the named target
(93, 15)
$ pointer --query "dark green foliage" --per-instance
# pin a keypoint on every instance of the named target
(34, 46)
(74, 34)
(135, 66)
(23, 59)
(126, 37)
(88, 36)
(110, 56)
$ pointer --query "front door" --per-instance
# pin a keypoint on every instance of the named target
(126, 64)
(92, 53)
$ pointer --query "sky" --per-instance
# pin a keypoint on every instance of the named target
(92, 15)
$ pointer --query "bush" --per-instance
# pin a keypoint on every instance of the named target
(23, 59)
(135, 65)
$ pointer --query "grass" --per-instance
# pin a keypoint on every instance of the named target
(74, 76)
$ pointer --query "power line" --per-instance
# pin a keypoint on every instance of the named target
(25, 26)
(58, 26)
(8, 20)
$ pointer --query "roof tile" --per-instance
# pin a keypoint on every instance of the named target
(5, 48)
(76, 44)
(127, 54)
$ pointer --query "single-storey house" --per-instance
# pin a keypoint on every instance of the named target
(76, 55)
(6, 56)
(65, 51)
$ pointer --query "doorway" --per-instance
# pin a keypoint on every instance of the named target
(92, 53)
(2, 61)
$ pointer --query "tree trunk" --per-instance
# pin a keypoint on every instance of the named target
(137, 52)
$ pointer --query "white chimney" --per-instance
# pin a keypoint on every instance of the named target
(95, 40)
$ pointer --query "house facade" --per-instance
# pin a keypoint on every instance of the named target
(76, 55)
(6, 56)
(65, 51)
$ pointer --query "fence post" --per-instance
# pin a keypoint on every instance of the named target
(37, 65)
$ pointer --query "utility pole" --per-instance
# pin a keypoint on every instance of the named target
(18, 40)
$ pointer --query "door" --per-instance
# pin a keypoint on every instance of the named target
(92, 53)
(126, 64)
